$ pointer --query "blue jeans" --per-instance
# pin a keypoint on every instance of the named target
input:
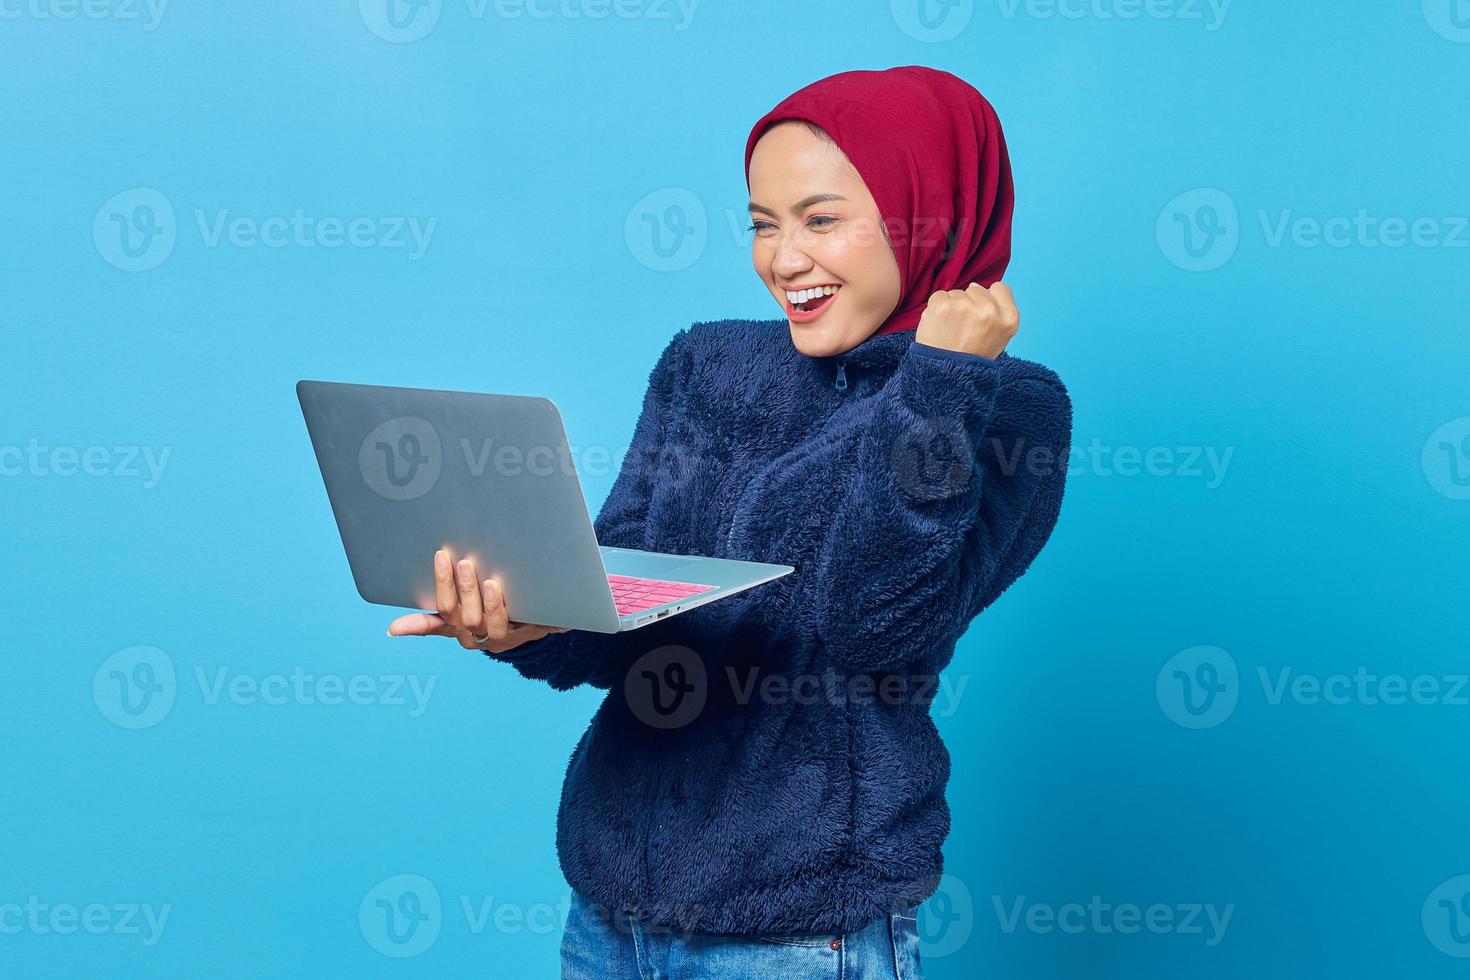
(599, 945)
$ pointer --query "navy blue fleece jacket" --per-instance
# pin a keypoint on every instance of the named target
(767, 763)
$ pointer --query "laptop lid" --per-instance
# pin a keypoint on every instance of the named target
(490, 477)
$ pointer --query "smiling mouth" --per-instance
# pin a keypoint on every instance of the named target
(813, 305)
(808, 308)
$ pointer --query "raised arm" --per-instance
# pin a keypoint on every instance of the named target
(943, 493)
(935, 503)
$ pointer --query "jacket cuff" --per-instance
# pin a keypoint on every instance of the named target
(929, 350)
(525, 653)
(937, 384)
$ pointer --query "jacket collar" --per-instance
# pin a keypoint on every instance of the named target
(878, 355)
(880, 351)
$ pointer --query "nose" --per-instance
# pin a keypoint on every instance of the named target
(790, 261)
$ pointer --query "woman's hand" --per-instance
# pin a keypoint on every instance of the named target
(470, 610)
(974, 320)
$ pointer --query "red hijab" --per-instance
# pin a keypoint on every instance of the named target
(931, 151)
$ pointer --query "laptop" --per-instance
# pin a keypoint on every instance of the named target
(490, 478)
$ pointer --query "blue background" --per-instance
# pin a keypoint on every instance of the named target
(1334, 377)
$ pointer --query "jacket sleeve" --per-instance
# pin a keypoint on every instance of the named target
(565, 660)
(946, 494)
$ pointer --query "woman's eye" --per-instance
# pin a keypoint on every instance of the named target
(759, 226)
(821, 221)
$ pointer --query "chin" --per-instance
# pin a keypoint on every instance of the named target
(815, 343)
(824, 340)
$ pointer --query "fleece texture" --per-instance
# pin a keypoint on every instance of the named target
(767, 764)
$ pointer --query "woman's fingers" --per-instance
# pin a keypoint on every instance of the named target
(420, 624)
(1005, 301)
(471, 614)
(497, 621)
(468, 608)
(979, 293)
(446, 598)
(432, 624)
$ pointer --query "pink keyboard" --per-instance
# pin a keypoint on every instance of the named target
(633, 595)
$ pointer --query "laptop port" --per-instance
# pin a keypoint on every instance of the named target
(664, 613)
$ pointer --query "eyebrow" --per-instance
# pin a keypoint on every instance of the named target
(800, 205)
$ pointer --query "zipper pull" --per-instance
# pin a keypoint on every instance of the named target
(841, 384)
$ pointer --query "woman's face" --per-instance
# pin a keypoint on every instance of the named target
(815, 226)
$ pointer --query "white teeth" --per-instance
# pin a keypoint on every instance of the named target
(805, 295)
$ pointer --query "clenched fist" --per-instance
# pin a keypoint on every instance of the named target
(974, 320)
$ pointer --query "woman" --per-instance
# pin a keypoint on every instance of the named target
(785, 816)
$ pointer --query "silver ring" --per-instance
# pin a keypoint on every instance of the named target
(480, 639)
